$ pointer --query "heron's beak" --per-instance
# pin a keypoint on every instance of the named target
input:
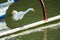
(33, 10)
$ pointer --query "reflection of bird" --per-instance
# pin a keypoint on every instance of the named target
(20, 15)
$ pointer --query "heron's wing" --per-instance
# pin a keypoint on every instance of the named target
(20, 15)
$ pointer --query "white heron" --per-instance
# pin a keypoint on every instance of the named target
(19, 15)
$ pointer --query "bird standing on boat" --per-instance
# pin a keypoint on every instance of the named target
(19, 15)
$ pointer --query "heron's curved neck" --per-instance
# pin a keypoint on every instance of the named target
(27, 11)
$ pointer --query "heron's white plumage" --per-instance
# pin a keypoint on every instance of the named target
(19, 15)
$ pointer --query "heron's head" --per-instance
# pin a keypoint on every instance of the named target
(14, 12)
(32, 9)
